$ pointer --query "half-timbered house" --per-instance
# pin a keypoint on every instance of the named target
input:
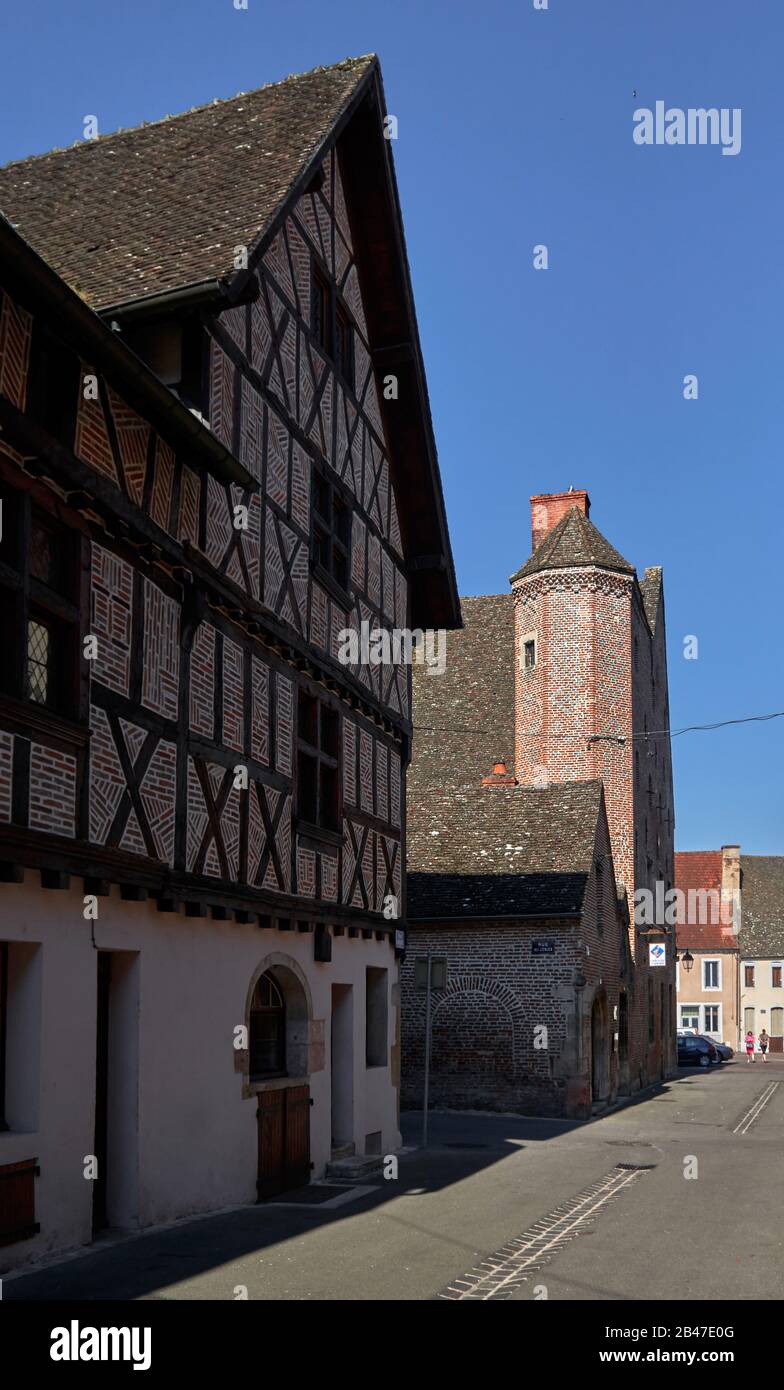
(216, 455)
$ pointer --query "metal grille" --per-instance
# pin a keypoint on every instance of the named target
(38, 639)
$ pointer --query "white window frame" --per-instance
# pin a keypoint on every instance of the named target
(715, 1033)
(528, 637)
(711, 960)
(692, 1009)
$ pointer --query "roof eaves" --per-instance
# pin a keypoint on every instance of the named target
(123, 368)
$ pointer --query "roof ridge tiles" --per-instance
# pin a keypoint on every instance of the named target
(171, 116)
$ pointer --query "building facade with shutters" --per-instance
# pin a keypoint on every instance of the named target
(216, 457)
(734, 981)
(527, 875)
(761, 948)
(708, 942)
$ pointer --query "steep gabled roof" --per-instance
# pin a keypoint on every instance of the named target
(162, 206)
(762, 906)
(464, 718)
(573, 542)
(159, 210)
(502, 851)
(700, 871)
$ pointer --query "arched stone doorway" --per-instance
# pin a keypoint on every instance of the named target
(279, 1013)
(600, 1049)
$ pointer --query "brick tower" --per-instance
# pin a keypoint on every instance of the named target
(591, 672)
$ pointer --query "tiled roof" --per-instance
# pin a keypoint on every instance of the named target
(496, 850)
(695, 870)
(464, 718)
(502, 850)
(164, 205)
(762, 906)
(452, 896)
(650, 588)
(574, 541)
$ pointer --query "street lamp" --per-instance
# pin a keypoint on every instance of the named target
(686, 960)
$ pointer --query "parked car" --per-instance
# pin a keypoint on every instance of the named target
(696, 1051)
(725, 1052)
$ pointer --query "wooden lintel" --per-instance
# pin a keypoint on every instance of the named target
(133, 893)
(55, 878)
(98, 887)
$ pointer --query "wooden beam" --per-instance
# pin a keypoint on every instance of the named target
(98, 887)
(55, 878)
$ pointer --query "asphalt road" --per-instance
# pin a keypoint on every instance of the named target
(503, 1207)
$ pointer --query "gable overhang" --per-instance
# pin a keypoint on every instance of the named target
(42, 292)
(369, 181)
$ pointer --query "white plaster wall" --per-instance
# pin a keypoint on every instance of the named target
(197, 1141)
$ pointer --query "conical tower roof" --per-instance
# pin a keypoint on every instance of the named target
(574, 542)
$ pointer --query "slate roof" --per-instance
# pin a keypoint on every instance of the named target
(650, 588)
(761, 933)
(464, 718)
(162, 206)
(574, 541)
(701, 869)
(502, 851)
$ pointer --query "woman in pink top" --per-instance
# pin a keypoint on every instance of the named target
(749, 1046)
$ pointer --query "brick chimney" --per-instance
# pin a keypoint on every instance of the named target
(547, 508)
(499, 777)
(730, 886)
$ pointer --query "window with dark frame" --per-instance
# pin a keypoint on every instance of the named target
(318, 749)
(748, 976)
(39, 613)
(320, 309)
(267, 1030)
(775, 977)
(344, 345)
(3, 1027)
(529, 654)
(331, 325)
(331, 530)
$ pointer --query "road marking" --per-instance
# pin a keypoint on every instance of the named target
(754, 1111)
(500, 1272)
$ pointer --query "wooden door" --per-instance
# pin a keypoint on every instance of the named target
(296, 1160)
(17, 1201)
(100, 1145)
(283, 1118)
(777, 1030)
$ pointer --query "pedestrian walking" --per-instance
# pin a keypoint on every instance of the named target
(764, 1039)
(750, 1046)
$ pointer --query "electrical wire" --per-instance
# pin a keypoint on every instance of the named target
(613, 738)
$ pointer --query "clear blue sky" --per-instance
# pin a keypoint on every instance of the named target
(516, 129)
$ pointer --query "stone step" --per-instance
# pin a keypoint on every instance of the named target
(343, 1151)
(357, 1168)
